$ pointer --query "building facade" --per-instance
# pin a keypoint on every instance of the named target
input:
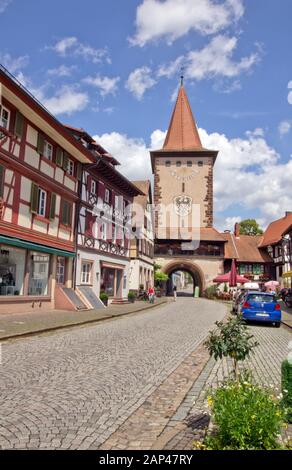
(142, 243)
(40, 168)
(287, 256)
(185, 239)
(104, 227)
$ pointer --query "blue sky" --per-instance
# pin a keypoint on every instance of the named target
(113, 68)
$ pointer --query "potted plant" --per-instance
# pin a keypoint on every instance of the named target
(104, 298)
(131, 297)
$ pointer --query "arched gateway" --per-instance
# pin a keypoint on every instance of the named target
(183, 192)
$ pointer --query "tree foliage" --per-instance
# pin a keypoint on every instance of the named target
(250, 227)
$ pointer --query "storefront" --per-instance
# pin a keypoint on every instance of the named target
(113, 279)
(29, 273)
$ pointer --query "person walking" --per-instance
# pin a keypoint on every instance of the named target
(174, 293)
(151, 293)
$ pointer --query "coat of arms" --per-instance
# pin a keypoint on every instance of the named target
(183, 205)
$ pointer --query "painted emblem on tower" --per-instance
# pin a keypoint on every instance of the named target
(183, 205)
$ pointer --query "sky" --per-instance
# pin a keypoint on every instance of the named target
(113, 68)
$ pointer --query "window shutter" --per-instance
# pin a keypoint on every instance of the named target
(79, 171)
(19, 124)
(65, 161)
(66, 213)
(59, 157)
(40, 144)
(2, 178)
(34, 196)
(53, 206)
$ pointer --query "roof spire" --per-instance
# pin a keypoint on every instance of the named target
(182, 132)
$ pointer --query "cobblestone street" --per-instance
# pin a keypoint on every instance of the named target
(73, 389)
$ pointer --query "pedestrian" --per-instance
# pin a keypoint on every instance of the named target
(174, 293)
(151, 294)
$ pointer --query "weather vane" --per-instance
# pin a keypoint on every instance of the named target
(182, 75)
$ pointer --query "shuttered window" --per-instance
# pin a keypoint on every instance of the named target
(59, 157)
(53, 206)
(79, 171)
(34, 198)
(2, 178)
(19, 124)
(66, 212)
(40, 144)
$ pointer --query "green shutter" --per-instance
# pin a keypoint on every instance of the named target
(2, 177)
(53, 206)
(19, 124)
(34, 196)
(79, 171)
(40, 144)
(66, 213)
(65, 161)
(59, 157)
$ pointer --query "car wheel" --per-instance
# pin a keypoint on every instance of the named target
(277, 324)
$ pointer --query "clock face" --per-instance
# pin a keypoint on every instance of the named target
(184, 173)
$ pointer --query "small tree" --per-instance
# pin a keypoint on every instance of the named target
(159, 276)
(231, 339)
(250, 227)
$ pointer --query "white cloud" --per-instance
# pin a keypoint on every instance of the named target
(139, 81)
(62, 71)
(213, 61)
(248, 172)
(4, 4)
(284, 127)
(12, 64)
(172, 19)
(71, 46)
(106, 85)
(290, 92)
(66, 101)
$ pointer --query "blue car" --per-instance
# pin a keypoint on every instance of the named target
(261, 306)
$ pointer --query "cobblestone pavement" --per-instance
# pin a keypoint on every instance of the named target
(73, 389)
(265, 365)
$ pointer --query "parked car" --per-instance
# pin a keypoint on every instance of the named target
(261, 306)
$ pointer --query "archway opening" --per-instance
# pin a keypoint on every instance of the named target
(185, 277)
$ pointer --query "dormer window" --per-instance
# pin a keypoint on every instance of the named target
(48, 150)
(4, 117)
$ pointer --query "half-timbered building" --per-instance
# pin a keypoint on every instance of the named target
(40, 168)
(104, 227)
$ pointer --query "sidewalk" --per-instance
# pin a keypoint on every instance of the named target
(286, 315)
(22, 324)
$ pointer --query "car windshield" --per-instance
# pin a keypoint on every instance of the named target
(261, 298)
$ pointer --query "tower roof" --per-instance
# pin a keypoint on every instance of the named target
(182, 132)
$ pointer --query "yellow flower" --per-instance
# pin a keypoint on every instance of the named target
(210, 401)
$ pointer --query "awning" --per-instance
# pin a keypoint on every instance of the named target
(35, 247)
(287, 275)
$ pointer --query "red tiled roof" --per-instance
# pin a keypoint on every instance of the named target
(182, 132)
(275, 230)
(245, 248)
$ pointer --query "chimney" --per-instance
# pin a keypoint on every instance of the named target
(237, 230)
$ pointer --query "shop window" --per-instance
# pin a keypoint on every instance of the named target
(60, 274)
(39, 274)
(12, 267)
(108, 281)
(86, 268)
(48, 150)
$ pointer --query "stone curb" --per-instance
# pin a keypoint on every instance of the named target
(72, 325)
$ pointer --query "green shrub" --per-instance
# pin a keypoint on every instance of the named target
(211, 292)
(131, 295)
(231, 339)
(246, 417)
(287, 388)
(103, 297)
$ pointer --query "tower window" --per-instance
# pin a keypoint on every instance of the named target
(200, 163)
(167, 163)
(178, 164)
(189, 164)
